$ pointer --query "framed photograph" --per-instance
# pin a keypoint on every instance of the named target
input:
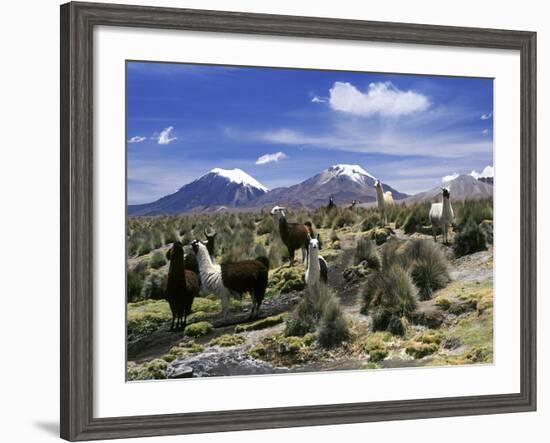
(273, 221)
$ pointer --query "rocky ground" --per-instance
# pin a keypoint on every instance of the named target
(454, 327)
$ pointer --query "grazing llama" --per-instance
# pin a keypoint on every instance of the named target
(442, 215)
(233, 278)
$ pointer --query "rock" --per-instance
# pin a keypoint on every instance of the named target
(179, 372)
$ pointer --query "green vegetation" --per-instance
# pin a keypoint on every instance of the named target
(227, 340)
(389, 295)
(471, 238)
(261, 324)
(157, 260)
(153, 370)
(198, 329)
(366, 251)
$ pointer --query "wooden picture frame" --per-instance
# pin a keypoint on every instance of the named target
(77, 23)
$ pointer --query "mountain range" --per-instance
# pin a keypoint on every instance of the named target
(221, 189)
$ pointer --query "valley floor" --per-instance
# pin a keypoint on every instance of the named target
(454, 327)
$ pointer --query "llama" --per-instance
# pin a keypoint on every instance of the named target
(352, 205)
(317, 269)
(442, 215)
(294, 235)
(384, 200)
(331, 205)
(190, 257)
(182, 287)
(233, 278)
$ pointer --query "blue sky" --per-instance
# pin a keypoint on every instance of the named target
(285, 125)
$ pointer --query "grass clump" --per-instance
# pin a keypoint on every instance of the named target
(442, 303)
(366, 251)
(376, 347)
(303, 319)
(258, 351)
(154, 285)
(145, 317)
(184, 348)
(261, 324)
(333, 328)
(198, 329)
(346, 217)
(157, 260)
(135, 281)
(417, 219)
(389, 295)
(227, 340)
(287, 279)
(421, 350)
(372, 220)
(471, 238)
(152, 370)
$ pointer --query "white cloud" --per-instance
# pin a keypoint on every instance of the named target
(165, 136)
(449, 178)
(268, 158)
(488, 171)
(382, 98)
(317, 99)
(485, 131)
(137, 139)
(486, 116)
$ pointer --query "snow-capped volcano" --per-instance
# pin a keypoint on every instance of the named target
(218, 187)
(240, 177)
(344, 182)
(354, 172)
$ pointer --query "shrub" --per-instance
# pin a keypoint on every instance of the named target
(261, 324)
(198, 329)
(366, 251)
(333, 328)
(417, 219)
(144, 249)
(155, 285)
(302, 320)
(476, 210)
(227, 340)
(372, 220)
(170, 236)
(157, 260)
(420, 350)
(389, 295)
(470, 239)
(135, 282)
(346, 217)
(376, 348)
(155, 369)
(427, 265)
(266, 226)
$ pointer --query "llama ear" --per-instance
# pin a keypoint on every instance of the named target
(169, 254)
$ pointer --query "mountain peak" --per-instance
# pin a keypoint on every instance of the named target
(239, 176)
(354, 172)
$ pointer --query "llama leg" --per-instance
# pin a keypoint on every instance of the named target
(173, 320)
(225, 303)
(291, 256)
(304, 255)
(434, 232)
(184, 322)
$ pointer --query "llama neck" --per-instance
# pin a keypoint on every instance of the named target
(447, 210)
(204, 261)
(380, 195)
(176, 273)
(283, 226)
(313, 262)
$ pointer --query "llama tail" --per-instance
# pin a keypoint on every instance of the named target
(264, 260)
